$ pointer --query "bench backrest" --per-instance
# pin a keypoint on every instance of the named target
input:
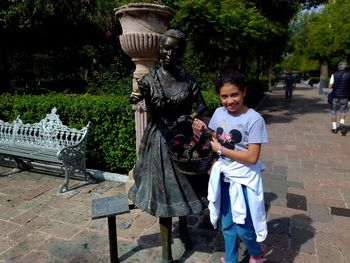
(6, 132)
(49, 133)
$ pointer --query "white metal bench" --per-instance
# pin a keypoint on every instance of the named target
(47, 141)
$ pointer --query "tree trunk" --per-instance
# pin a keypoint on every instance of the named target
(323, 77)
(258, 59)
(270, 76)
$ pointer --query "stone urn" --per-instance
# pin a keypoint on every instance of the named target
(142, 25)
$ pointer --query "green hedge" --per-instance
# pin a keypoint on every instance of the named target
(111, 141)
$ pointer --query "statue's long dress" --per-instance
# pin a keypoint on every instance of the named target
(159, 188)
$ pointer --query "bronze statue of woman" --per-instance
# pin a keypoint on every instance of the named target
(160, 188)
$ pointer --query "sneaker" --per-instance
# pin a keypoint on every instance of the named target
(257, 259)
(342, 129)
(335, 131)
(260, 258)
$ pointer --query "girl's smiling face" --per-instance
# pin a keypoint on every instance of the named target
(231, 97)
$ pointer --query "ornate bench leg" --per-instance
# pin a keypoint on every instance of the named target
(68, 171)
(87, 176)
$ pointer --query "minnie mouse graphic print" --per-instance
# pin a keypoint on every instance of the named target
(242, 129)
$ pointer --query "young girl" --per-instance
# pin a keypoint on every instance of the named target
(235, 187)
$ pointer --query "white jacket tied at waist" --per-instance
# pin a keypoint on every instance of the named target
(239, 174)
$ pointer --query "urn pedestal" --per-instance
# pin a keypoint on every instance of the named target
(142, 25)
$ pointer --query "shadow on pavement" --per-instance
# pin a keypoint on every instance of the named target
(288, 236)
(300, 104)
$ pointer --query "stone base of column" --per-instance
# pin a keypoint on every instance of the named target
(129, 183)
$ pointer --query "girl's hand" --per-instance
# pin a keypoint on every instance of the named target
(197, 126)
(215, 145)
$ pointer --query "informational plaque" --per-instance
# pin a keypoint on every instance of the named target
(109, 206)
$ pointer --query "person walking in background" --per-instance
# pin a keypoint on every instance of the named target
(235, 188)
(340, 83)
(289, 85)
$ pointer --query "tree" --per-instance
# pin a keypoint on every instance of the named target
(58, 40)
(250, 35)
(320, 38)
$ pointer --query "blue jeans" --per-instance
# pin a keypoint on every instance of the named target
(288, 93)
(231, 230)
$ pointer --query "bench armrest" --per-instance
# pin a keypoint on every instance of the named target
(74, 152)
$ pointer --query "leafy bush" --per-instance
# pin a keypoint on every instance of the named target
(212, 100)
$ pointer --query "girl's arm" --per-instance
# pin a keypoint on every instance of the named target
(250, 157)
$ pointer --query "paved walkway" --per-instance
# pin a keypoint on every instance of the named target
(307, 185)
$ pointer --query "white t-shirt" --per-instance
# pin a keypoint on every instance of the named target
(250, 126)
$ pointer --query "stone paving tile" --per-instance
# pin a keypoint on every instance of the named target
(5, 244)
(30, 194)
(28, 229)
(62, 249)
(7, 227)
(131, 252)
(304, 258)
(10, 201)
(139, 222)
(93, 240)
(302, 240)
(341, 224)
(275, 240)
(12, 191)
(278, 255)
(67, 216)
(30, 204)
(320, 213)
(329, 254)
(60, 229)
(23, 247)
(88, 257)
(326, 202)
(30, 214)
(36, 256)
(7, 213)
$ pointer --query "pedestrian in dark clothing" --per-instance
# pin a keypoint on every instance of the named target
(340, 83)
(289, 85)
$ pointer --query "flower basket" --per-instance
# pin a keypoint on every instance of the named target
(193, 166)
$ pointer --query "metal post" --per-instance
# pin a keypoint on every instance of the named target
(112, 233)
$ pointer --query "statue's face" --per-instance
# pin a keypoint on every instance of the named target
(170, 52)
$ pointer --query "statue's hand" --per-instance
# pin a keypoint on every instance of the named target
(135, 97)
(184, 119)
(143, 88)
